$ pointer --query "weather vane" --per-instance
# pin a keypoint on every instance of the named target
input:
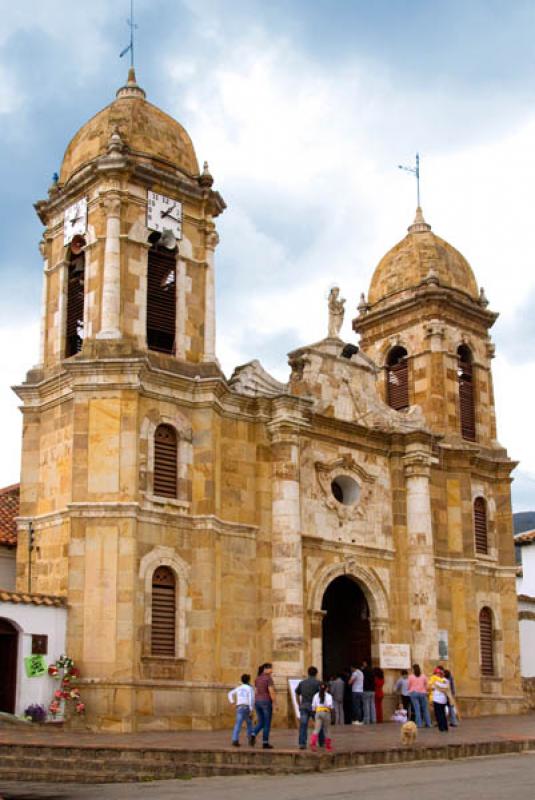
(416, 172)
(131, 24)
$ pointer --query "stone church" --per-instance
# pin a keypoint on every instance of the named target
(196, 525)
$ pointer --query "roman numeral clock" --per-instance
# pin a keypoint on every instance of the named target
(164, 214)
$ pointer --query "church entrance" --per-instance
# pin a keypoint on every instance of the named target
(9, 640)
(346, 626)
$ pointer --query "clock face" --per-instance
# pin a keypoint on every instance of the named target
(75, 220)
(164, 214)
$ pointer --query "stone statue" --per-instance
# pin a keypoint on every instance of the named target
(336, 312)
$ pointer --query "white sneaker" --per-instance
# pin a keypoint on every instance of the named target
(357, 722)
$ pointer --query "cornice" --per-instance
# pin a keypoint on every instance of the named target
(341, 548)
(421, 296)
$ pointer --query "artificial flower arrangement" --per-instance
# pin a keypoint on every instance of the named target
(64, 670)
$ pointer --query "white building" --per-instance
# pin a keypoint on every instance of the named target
(525, 587)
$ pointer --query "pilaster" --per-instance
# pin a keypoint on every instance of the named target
(111, 289)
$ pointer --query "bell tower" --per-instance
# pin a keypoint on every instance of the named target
(426, 324)
(127, 339)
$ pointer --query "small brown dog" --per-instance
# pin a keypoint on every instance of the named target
(409, 732)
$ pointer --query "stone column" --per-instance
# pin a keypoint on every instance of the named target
(211, 242)
(44, 302)
(420, 557)
(111, 289)
(287, 556)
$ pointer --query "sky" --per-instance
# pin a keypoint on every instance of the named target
(304, 109)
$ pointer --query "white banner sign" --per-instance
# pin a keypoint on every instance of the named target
(395, 656)
(293, 683)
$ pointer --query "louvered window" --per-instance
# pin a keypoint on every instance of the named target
(165, 461)
(161, 299)
(397, 379)
(480, 525)
(163, 612)
(74, 333)
(466, 393)
(485, 641)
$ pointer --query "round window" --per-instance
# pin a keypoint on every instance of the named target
(346, 490)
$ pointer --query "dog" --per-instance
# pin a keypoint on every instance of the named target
(409, 732)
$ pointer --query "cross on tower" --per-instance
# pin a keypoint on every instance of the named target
(416, 172)
(130, 47)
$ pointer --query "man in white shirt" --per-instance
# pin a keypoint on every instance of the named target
(243, 697)
(356, 682)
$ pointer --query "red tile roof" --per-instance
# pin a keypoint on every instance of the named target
(527, 537)
(9, 509)
(32, 598)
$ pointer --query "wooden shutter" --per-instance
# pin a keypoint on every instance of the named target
(466, 401)
(397, 377)
(74, 333)
(480, 525)
(161, 300)
(163, 612)
(165, 461)
(485, 642)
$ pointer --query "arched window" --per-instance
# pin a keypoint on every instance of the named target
(165, 461)
(397, 379)
(485, 641)
(480, 525)
(74, 328)
(161, 298)
(466, 393)
(163, 612)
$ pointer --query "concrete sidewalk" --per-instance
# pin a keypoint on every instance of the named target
(45, 753)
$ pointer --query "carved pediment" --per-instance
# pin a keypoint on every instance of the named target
(252, 380)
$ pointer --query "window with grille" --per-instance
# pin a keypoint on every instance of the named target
(397, 379)
(480, 525)
(161, 299)
(74, 331)
(165, 461)
(163, 612)
(466, 393)
(485, 641)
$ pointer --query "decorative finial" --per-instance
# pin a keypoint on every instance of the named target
(362, 307)
(131, 88)
(115, 144)
(336, 312)
(130, 47)
(432, 277)
(205, 178)
(483, 298)
(419, 225)
(416, 172)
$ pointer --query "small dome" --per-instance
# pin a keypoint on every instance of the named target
(148, 132)
(419, 256)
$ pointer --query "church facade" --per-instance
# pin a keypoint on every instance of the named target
(197, 526)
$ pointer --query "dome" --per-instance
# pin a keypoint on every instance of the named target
(148, 132)
(420, 256)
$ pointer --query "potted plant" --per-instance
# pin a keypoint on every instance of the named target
(35, 712)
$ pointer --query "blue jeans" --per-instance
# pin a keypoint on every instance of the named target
(421, 709)
(264, 712)
(369, 708)
(243, 714)
(357, 706)
(304, 716)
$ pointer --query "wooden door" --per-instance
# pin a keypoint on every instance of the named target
(9, 639)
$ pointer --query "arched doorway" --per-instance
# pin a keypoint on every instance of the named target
(9, 640)
(346, 626)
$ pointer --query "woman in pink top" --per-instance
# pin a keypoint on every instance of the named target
(417, 689)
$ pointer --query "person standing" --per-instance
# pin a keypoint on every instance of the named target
(379, 682)
(440, 690)
(337, 688)
(452, 705)
(264, 703)
(356, 682)
(368, 694)
(305, 692)
(243, 696)
(322, 704)
(401, 687)
(418, 693)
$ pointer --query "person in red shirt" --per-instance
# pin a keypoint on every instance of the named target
(264, 703)
(379, 680)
